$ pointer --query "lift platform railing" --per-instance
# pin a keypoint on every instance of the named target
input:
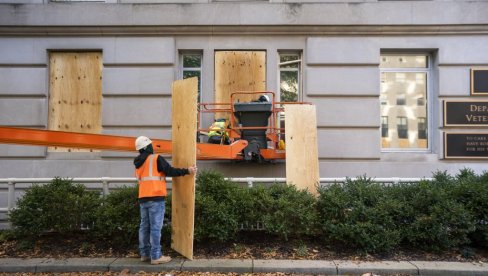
(273, 129)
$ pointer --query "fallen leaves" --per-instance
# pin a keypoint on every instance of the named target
(251, 247)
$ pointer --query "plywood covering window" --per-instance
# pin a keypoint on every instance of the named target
(75, 93)
(239, 71)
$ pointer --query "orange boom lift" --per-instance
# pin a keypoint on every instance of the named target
(249, 141)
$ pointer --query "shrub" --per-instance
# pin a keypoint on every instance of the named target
(222, 207)
(117, 218)
(286, 211)
(166, 231)
(471, 191)
(357, 214)
(253, 204)
(216, 207)
(429, 217)
(60, 206)
(445, 213)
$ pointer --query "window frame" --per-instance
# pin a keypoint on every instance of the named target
(183, 69)
(428, 100)
(299, 70)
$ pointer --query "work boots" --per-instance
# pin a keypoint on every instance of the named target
(162, 260)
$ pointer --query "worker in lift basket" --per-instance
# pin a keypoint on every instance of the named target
(151, 170)
(217, 133)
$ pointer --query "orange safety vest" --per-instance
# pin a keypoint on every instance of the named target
(151, 182)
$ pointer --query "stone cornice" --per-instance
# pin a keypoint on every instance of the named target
(368, 18)
(383, 13)
(242, 30)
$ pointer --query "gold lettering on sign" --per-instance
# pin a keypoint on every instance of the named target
(476, 118)
(478, 108)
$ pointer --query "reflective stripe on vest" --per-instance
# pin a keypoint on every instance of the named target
(152, 157)
(151, 182)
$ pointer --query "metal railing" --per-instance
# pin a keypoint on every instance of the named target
(106, 182)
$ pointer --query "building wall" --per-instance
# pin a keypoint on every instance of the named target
(340, 43)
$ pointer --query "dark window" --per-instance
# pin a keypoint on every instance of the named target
(401, 100)
(192, 67)
(384, 126)
(402, 127)
(422, 128)
(421, 101)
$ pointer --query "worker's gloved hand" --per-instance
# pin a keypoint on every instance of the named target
(193, 169)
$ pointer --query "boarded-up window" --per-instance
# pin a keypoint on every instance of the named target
(75, 93)
(239, 71)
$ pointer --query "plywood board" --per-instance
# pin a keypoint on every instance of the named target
(239, 71)
(184, 129)
(75, 93)
(302, 162)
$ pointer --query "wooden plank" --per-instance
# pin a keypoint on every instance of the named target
(238, 71)
(302, 162)
(185, 95)
(75, 94)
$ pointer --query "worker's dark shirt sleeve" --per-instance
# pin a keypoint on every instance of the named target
(165, 167)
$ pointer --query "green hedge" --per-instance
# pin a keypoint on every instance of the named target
(357, 214)
(217, 203)
(59, 206)
(445, 213)
(117, 218)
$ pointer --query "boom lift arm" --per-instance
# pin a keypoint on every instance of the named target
(24, 136)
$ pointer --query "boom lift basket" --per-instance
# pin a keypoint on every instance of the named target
(253, 115)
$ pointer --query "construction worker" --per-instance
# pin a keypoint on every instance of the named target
(263, 98)
(217, 133)
(151, 170)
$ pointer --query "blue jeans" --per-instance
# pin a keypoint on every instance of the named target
(152, 215)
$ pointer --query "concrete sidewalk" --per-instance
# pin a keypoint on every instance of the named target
(244, 266)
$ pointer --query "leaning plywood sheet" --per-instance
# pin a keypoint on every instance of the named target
(302, 163)
(185, 94)
(75, 93)
(239, 71)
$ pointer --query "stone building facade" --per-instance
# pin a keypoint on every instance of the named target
(377, 71)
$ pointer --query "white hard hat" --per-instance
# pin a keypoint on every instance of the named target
(142, 142)
(264, 98)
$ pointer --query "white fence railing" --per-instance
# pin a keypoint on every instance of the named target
(104, 184)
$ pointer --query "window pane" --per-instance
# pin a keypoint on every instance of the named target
(289, 86)
(192, 61)
(190, 74)
(403, 61)
(288, 59)
(403, 97)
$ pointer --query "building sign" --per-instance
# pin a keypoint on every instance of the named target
(466, 145)
(465, 113)
(479, 81)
